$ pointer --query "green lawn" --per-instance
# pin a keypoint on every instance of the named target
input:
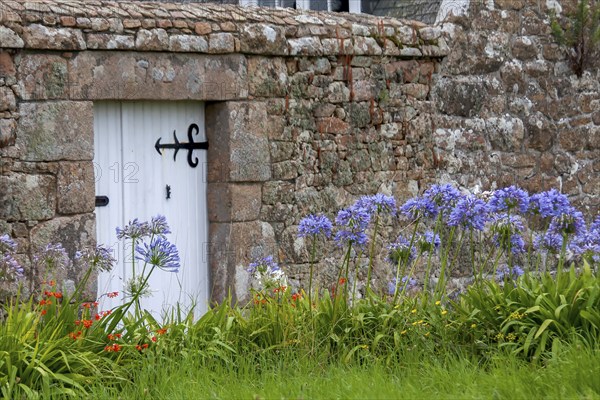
(575, 373)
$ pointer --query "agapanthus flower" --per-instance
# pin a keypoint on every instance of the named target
(159, 225)
(313, 225)
(507, 233)
(587, 244)
(509, 199)
(410, 283)
(419, 207)
(7, 245)
(505, 272)
(51, 257)
(267, 272)
(470, 212)
(10, 269)
(444, 196)
(352, 222)
(549, 204)
(548, 242)
(401, 251)
(595, 227)
(160, 252)
(428, 242)
(100, 258)
(134, 230)
(377, 203)
(569, 222)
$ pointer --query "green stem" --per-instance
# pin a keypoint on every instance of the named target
(372, 253)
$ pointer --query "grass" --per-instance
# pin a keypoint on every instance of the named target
(572, 373)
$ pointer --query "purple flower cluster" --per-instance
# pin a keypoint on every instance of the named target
(509, 199)
(406, 281)
(429, 242)
(508, 231)
(10, 269)
(504, 272)
(444, 196)
(313, 225)
(569, 222)
(51, 257)
(100, 258)
(160, 252)
(470, 213)
(549, 204)
(419, 207)
(267, 272)
(548, 242)
(401, 251)
(352, 222)
(377, 203)
(136, 230)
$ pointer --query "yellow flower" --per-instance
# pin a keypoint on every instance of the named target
(427, 334)
(365, 346)
(420, 321)
(473, 326)
(403, 332)
(414, 310)
(444, 312)
(414, 323)
(437, 303)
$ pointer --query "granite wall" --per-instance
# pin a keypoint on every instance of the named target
(305, 112)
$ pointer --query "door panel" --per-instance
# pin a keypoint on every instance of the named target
(134, 177)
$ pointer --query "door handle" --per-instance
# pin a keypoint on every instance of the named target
(101, 201)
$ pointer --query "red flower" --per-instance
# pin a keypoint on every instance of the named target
(87, 323)
(44, 312)
(75, 335)
(77, 322)
(161, 331)
(115, 347)
(58, 295)
(112, 294)
(154, 339)
(342, 281)
(97, 317)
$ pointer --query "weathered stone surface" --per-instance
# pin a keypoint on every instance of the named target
(43, 77)
(10, 39)
(135, 76)
(105, 41)
(76, 193)
(267, 77)
(307, 46)
(7, 99)
(263, 39)
(460, 98)
(42, 37)
(188, 43)
(8, 129)
(221, 43)
(27, 197)
(152, 40)
(60, 130)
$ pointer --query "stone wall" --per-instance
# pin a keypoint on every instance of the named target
(305, 111)
(510, 109)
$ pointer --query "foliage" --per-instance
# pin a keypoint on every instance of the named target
(580, 31)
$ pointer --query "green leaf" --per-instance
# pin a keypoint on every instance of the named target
(543, 327)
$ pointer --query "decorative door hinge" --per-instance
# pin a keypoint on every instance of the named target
(190, 146)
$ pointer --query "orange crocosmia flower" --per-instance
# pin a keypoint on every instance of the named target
(112, 294)
(44, 312)
(86, 305)
(47, 293)
(342, 281)
(154, 339)
(58, 295)
(52, 283)
(77, 322)
(87, 323)
(161, 331)
(97, 317)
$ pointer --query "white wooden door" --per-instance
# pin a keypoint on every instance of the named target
(134, 177)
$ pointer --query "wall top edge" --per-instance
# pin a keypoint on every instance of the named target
(71, 25)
